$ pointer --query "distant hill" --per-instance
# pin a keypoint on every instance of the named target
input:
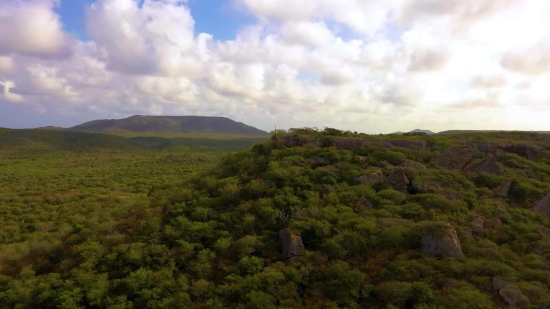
(169, 124)
(422, 131)
(415, 131)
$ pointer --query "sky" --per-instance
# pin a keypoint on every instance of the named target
(373, 66)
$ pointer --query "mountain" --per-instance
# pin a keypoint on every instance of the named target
(422, 131)
(169, 124)
(415, 131)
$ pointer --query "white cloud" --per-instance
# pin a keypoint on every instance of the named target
(534, 60)
(32, 28)
(375, 66)
(7, 95)
(423, 60)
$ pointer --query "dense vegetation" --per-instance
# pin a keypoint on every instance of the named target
(136, 230)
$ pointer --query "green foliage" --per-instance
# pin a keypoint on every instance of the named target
(192, 227)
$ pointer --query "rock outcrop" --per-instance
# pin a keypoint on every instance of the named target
(491, 223)
(510, 293)
(412, 164)
(456, 157)
(530, 152)
(344, 143)
(442, 243)
(543, 206)
(477, 224)
(490, 166)
(291, 245)
(398, 181)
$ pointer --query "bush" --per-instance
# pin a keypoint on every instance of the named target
(522, 190)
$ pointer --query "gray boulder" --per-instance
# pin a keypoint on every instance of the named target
(510, 293)
(291, 245)
(412, 164)
(442, 243)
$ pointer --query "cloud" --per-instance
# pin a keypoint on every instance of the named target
(353, 64)
(156, 38)
(7, 95)
(315, 34)
(425, 60)
(487, 81)
(534, 60)
(366, 17)
(459, 15)
(32, 28)
(6, 65)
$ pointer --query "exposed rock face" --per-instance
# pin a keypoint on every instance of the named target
(490, 223)
(293, 141)
(344, 143)
(443, 243)
(526, 151)
(398, 181)
(490, 166)
(543, 206)
(530, 152)
(291, 245)
(412, 164)
(510, 293)
(487, 148)
(456, 157)
(477, 224)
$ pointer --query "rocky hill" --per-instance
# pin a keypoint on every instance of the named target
(322, 219)
(169, 124)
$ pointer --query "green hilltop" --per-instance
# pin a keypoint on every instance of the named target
(169, 125)
(304, 218)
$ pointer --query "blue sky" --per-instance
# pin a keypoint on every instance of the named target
(216, 17)
(404, 77)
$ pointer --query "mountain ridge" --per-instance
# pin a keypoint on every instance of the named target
(168, 124)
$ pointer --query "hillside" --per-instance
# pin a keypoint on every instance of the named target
(49, 141)
(169, 124)
(317, 219)
(35, 142)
